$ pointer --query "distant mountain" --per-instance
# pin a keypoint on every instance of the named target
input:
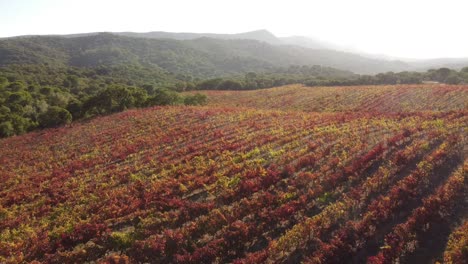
(260, 35)
(307, 42)
(398, 64)
(199, 57)
(452, 63)
(250, 51)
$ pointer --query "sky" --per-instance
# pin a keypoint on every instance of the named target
(398, 28)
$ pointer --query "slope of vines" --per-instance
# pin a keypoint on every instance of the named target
(387, 98)
(240, 185)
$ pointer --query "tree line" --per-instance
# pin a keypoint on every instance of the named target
(252, 81)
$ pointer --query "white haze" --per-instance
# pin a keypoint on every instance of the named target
(398, 28)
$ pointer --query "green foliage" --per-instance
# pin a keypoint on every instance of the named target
(196, 99)
(20, 98)
(211, 84)
(162, 96)
(3, 82)
(273, 77)
(21, 124)
(16, 86)
(75, 107)
(322, 76)
(446, 75)
(453, 78)
(230, 85)
(115, 98)
(55, 116)
(122, 240)
(30, 93)
(6, 129)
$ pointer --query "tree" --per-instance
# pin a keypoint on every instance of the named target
(22, 98)
(58, 98)
(4, 111)
(6, 129)
(75, 108)
(250, 76)
(211, 84)
(73, 82)
(21, 124)
(3, 82)
(453, 78)
(387, 78)
(16, 86)
(55, 116)
(149, 88)
(115, 98)
(230, 85)
(196, 99)
(139, 95)
(164, 97)
(441, 74)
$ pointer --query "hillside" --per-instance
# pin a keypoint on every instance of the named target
(399, 64)
(259, 35)
(223, 184)
(202, 57)
(383, 99)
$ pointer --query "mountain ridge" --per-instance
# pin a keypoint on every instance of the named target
(204, 57)
(266, 36)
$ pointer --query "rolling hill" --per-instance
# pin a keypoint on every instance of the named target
(200, 57)
(259, 35)
(310, 43)
(205, 54)
(222, 184)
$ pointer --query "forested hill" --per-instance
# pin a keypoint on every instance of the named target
(260, 35)
(202, 57)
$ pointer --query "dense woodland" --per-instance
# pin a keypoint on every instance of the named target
(39, 96)
(203, 57)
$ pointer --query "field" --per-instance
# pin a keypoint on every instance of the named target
(285, 175)
(383, 99)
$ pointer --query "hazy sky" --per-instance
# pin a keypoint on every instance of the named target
(403, 28)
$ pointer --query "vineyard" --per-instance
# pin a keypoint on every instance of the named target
(364, 174)
(384, 99)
